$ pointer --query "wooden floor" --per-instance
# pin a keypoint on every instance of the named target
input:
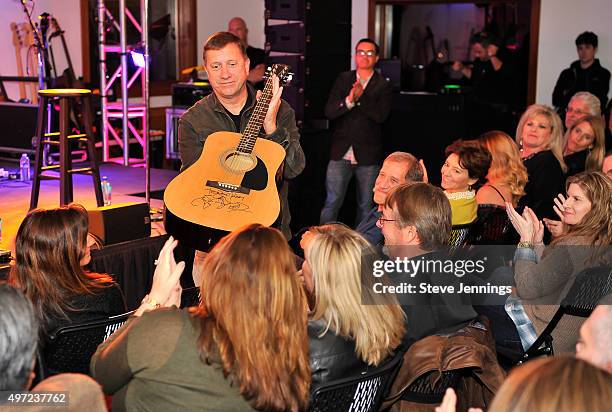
(125, 182)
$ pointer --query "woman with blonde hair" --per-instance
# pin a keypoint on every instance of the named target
(584, 145)
(543, 276)
(505, 182)
(507, 175)
(243, 348)
(348, 334)
(539, 136)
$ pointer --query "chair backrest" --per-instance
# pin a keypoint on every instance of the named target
(590, 286)
(70, 348)
(459, 235)
(363, 393)
(492, 227)
(190, 297)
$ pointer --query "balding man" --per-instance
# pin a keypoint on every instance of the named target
(257, 67)
(595, 343)
(398, 168)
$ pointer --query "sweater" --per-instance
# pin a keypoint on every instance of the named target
(152, 364)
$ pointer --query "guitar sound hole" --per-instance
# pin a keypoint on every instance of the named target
(239, 162)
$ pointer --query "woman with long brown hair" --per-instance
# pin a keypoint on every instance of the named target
(244, 347)
(52, 251)
(543, 276)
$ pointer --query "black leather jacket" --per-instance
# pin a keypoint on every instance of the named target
(331, 356)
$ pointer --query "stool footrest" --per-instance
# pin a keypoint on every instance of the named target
(77, 136)
(52, 167)
(48, 177)
(83, 170)
(51, 142)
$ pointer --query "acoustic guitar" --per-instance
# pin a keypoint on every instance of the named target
(232, 184)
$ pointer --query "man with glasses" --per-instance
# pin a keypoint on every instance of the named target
(358, 105)
(581, 104)
(585, 74)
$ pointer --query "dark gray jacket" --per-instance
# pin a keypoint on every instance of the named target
(208, 116)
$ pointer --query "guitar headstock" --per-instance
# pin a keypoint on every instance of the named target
(18, 35)
(281, 71)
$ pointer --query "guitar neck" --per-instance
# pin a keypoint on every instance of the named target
(249, 137)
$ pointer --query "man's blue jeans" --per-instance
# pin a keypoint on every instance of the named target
(339, 173)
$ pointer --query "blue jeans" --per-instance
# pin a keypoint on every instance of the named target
(339, 173)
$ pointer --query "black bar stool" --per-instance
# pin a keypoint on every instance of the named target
(66, 97)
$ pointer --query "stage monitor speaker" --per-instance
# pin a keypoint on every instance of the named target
(120, 223)
(285, 9)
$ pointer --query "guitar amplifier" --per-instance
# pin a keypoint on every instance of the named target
(187, 94)
(18, 127)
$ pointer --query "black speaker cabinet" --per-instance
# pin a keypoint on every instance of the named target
(296, 62)
(120, 223)
(285, 9)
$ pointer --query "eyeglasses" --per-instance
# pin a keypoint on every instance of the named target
(368, 53)
(381, 221)
(572, 110)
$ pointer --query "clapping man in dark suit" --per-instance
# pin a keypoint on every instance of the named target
(358, 105)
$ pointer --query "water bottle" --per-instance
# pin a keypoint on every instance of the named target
(106, 191)
(24, 168)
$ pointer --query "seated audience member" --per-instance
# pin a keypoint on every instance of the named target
(18, 342)
(584, 145)
(560, 384)
(466, 165)
(416, 224)
(505, 182)
(595, 343)
(539, 136)
(346, 336)
(52, 251)
(243, 348)
(398, 168)
(584, 74)
(607, 165)
(582, 104)
(544, 276)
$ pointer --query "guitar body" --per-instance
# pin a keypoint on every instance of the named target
(224, 190)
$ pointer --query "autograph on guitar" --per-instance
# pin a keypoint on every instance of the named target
(232, 184)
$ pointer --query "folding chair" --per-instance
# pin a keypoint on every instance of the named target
(363, 393)
(589, 287)
(70, 348)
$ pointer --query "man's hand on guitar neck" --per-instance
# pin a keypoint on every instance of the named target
(269, 122)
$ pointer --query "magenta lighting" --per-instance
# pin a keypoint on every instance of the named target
(138, 58)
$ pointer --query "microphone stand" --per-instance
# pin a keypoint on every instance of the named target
(40, 43)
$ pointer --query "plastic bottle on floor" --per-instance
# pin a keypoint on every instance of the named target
(106, 191)
(24, 168)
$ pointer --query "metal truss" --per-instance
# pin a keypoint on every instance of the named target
(131, 113)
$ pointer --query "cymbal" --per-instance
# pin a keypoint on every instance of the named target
(192, 68)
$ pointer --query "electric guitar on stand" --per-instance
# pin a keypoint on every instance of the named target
(232, 184)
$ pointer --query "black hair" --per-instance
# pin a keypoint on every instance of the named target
(588, 37)
(368, 40)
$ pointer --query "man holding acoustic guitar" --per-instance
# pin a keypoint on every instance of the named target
(231, 173)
